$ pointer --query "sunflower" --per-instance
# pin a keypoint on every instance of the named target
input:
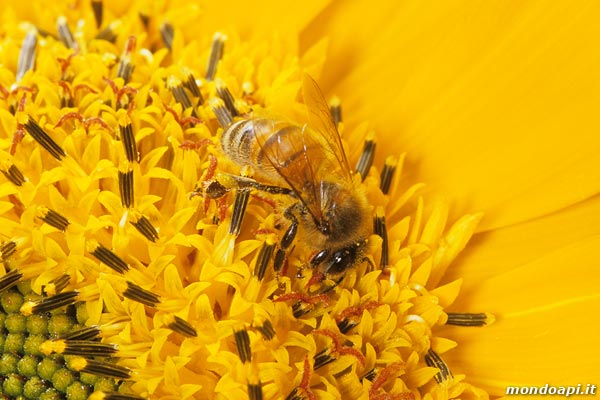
(140, 261)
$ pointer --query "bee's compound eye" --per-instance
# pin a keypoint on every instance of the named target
(319, 258)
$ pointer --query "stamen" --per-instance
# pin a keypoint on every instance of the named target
(64, 33)
(40, 136)
(225, 95)
(84, 348)
(49, 303)
(180, 95)
(432, 359)
(10, 279)
(255, 391)
(182, 327)
(216, 52)
(322, 358)
(87, 333)
(126, 188)
(66, 98)
(335, 108)
(221, 112)
(109, 33)
(300, 309)
(266, 330)
(137, 293)
(304, 303)
(242, 342)
(468, 319)
(56, 285)
(387, 173)
(54, 219)
(7, 249)
(129, 144)
(264, 256)
(98, 9)
(14, 175)
(125, 66)
(239, 209)
(114, 396)
(100, 368)
(370, 375)
(191, 85)
(380, 229)
(27, 54)
(110, 259)
(295, 395)
(366, 158)
(345, 325)
(167, 34)
(146, 228)
(337, 346)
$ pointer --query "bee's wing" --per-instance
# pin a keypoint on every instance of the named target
(298, 157)
(320, 120)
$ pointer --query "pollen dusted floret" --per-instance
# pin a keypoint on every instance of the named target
(138, 261)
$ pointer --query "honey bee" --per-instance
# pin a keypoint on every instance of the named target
(307, 163)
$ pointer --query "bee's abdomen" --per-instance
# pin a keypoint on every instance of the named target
(237, 141)
(247, 141)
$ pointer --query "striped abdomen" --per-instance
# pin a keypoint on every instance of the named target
(272, 148)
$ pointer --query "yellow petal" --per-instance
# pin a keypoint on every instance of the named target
(496, 102)
(492, 253)
(546, 323)
(263, 16)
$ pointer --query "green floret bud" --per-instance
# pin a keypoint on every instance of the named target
(27, 366)
(47, 367)
(32, 344)
(2, 319)
(37, 324)
(105, 385)
(51, 394)
(24, 287)
(60, 324)
(77, 391)
(34, 388)
(13, 385)
(15, 323)
(8, 364)
(82, 313)
(14, 343)
(61, 379)
(88, 379)
(11, 301)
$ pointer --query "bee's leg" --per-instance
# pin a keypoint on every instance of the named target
(245, 182)
(224, 183)
(284, 244)
(287, 239)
